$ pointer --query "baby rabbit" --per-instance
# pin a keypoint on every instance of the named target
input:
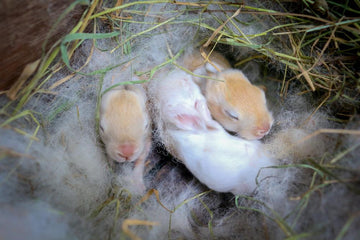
(124, 127)
(238, 105)
(222, 162)
(234, 102)
(177, 91)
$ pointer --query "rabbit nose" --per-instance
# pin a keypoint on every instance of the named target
(126, 150)
(262, 131)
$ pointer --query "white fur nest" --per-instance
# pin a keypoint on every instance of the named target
(61, 186)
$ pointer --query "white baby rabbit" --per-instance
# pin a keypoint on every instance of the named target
(177, 91)
(222, 162)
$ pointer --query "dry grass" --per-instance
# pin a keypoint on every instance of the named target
(320, 50)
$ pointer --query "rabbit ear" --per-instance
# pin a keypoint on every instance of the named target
(213, 67)
(185, 118)
(189, 122)
(202, 108)
(195, 119)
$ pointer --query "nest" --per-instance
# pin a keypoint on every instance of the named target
(305, 53)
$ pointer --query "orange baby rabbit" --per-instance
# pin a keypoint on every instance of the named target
(124, 127)
(238, 105)
(234, 102)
